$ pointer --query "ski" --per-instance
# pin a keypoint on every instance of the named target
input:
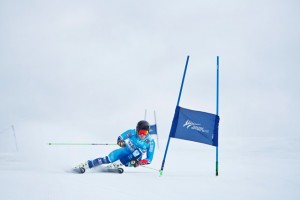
(115, 167)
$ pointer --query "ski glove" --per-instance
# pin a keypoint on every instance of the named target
(138, 163)
(121, 143)
(143, 162)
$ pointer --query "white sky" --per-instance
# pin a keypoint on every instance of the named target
(93, 67)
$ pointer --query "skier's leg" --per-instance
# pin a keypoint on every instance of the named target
(130, 159)
(112, 157)
(98, 161)
(118, 153)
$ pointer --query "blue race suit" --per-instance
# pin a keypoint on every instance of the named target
(134, 149)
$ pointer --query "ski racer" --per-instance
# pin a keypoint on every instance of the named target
(134, 143)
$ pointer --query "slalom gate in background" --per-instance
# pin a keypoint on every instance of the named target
(153, 127)
(8, 140)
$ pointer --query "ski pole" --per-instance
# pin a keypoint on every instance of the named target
(64, 144)
(158, 170)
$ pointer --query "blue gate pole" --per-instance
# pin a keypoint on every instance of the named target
(217, 112)
(179, 96)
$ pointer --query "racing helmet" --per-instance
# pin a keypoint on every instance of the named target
(142, 125)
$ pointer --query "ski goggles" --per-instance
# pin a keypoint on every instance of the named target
(143, 132)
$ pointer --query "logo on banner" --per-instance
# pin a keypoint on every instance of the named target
(192, 125)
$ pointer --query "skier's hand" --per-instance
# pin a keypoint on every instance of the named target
(136, 163)
(143, 162)
(121, 143)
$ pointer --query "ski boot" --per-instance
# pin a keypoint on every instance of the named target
(115, 167)
(81, 167)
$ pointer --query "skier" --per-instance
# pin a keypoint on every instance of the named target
(134, 143)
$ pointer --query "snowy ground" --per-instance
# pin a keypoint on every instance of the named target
(250, 168)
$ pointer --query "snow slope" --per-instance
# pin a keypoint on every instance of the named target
(250, 168)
